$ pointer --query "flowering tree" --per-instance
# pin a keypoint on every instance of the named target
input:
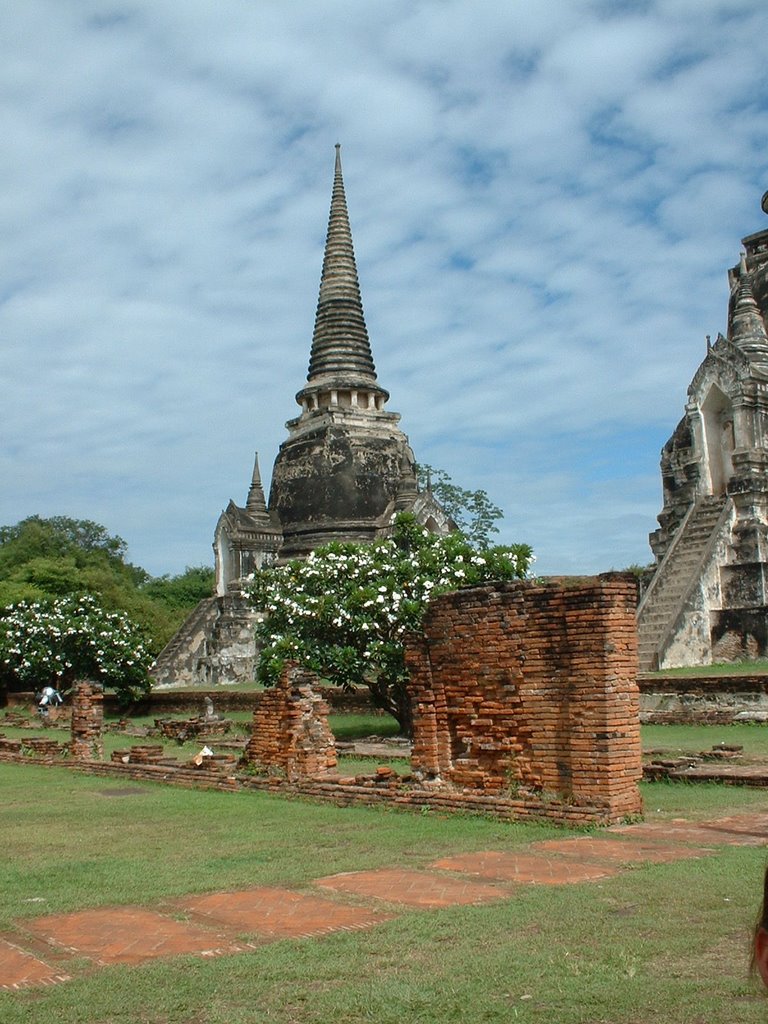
(54, 643)
(345, 610)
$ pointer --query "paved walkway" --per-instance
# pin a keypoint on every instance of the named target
(42, 950)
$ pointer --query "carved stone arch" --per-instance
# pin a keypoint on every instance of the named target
(714, 370)
(719, 442)
(225, 557)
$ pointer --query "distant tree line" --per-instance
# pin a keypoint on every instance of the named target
(45, 559)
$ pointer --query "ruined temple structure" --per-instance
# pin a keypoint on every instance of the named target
(708, 599)
(344, 470)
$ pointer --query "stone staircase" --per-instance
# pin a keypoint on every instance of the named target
(180, 655)
(674, 577)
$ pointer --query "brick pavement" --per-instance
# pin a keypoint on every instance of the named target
(414, 888)
(129, 935)
(40, 950)
(524, 868)
(20, 969)
(279, 913)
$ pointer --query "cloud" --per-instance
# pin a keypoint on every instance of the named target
(544, 200)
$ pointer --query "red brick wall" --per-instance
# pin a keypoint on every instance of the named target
(290, 729)
(530, 690)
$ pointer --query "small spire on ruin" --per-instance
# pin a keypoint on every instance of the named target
(255, 504)
(747, 328)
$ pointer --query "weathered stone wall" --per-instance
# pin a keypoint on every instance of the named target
(87, 722)
(739, 634)
(530, 689)
(703, 700)
(291, 734)
(216, 644)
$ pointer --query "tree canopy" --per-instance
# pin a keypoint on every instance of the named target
(473, 511)
(344, 611)
(58, 535)
(44, 559)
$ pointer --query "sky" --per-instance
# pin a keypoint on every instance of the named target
(545, 197)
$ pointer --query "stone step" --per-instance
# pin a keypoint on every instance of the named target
(664, 602)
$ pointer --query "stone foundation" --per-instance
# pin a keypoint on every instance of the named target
(703, 700)
(525, 706)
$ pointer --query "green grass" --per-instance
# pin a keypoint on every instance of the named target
(697, 738)
(350, 765)
(197, 691)
(356, 727)
(656, 943)
(345, 727)
(731, 668)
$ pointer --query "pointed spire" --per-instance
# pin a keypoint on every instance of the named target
(341, 351)
(747, 328)
(255, 504)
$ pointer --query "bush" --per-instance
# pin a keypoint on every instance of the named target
(56, 642)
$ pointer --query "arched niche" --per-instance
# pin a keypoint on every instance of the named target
(225, 563)
(717, 421)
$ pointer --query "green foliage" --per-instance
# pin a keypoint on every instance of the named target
(47, 558)
(635, 569)
(183, 591)
(58, 642)
(344, 612)
(473, 511)
(57, 536)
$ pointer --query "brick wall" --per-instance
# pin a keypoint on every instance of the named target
(525, 706)
(290, 732)
(530, 690)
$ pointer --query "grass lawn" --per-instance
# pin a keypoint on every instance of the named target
(696, 738)
(658, 943)
(345, 727)
(758, 667)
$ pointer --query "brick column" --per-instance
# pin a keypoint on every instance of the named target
(290, 730)
(87, 722)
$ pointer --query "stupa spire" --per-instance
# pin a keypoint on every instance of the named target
(747, 329)
(341, 352)
(255, 504)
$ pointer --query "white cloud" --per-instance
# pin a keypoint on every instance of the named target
(544, 199)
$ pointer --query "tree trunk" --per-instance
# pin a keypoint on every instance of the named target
(394, 699)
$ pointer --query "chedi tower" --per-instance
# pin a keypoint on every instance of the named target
(346, 466)
(344, 470)
(708, 599)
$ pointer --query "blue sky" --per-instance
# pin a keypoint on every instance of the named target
(545, 198)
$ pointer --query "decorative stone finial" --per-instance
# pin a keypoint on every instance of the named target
(746, 328)
(255, 503)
